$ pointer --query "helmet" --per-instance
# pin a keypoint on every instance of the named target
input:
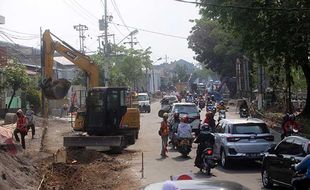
(292, 117)
(176, 115)
(222, 103)
(212, 96)
(184, 118)
(205, 127)
(165, 115)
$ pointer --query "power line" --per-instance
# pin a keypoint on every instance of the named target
(244, 7)
(14, 31)
(119, 14)
(153, 32)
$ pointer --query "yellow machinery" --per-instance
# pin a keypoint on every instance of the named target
(113, 125)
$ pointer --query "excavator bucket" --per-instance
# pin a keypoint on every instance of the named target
(56, 89)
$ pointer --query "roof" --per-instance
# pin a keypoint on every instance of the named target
(63, 61)
(243, 120)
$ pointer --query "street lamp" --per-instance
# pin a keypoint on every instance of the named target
(131, 34)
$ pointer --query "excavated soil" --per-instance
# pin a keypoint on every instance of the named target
(87, 169)
(37, 168)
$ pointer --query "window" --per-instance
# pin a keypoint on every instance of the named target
(186, 109)
(284, 147)
(95, 101)
(298, 149)
(113, 100)
(143, 98)
(250, 129)
(123, 98)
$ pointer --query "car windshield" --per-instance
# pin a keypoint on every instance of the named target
(186, 109)
(143, 98)
(250, 129)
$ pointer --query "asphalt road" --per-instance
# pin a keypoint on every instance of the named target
(157, 169)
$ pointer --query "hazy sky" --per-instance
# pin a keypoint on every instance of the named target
(164, 16)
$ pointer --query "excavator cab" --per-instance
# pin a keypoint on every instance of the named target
(105, 110)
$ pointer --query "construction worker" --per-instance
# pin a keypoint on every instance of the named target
(21, 127)
(164, 132)
(30, 120)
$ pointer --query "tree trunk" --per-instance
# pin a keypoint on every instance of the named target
(9, 105)
(306, 111)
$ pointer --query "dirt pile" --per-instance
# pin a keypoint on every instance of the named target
(16, 173)
(87, 169)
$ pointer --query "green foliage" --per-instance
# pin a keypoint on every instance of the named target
(15, 78)
(214, 47)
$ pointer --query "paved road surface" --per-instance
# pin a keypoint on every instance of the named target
(158, 169)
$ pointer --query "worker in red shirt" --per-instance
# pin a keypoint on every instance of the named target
(21, 127)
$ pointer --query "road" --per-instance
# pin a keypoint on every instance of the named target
(158, 169)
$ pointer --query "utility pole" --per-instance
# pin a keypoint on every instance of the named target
(81, 29)
(106, 44)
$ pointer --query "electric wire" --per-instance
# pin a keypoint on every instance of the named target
(154, 32)
(244, 7)
(14, 31)
(119, 14)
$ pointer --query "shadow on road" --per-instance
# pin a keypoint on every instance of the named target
(181, 158)
(241, 167)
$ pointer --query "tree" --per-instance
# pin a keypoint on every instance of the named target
(273, 31)
(15, 78)
(214, 47)
(181, 73)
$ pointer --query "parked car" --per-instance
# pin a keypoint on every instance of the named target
(199, 184)
(237, 139)
(276, 167)
(189, 109)
(144, 102)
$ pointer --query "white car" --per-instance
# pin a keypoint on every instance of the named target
(144, 102)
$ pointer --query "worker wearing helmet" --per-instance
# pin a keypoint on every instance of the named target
(173, 128)
(164, 132)
(21, 127)
(184, 129)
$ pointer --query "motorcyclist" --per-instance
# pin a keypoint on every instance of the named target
(184, 129)
(210, 120)
(190, 98)
(285, 118)
(213, 99)
(290, 126)
(173, 126)
(302, 183)
(243, 105)
(204, 140)
(221, 106)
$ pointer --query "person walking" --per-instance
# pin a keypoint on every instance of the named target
(21, 127)
(164, 133)
(30, 120)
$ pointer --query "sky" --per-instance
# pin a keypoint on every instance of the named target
(23, 19)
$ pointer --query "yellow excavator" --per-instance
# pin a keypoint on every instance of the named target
(106, 118)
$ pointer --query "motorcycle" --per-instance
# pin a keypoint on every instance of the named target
(222, 115)
(184, 146)
(211, 108)
(244, 113)
(208, 161)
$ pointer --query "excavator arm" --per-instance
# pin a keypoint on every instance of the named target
(58, 89)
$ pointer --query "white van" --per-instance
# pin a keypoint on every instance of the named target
(144, 102)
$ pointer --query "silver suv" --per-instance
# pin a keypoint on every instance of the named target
(242, 139)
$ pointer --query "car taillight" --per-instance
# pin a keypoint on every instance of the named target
(269, 138)
(233, 139)
(209, 152)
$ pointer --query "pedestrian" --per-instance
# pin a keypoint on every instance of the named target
(164, 133)
(21, 127)
(30, 120)
(64, 110)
